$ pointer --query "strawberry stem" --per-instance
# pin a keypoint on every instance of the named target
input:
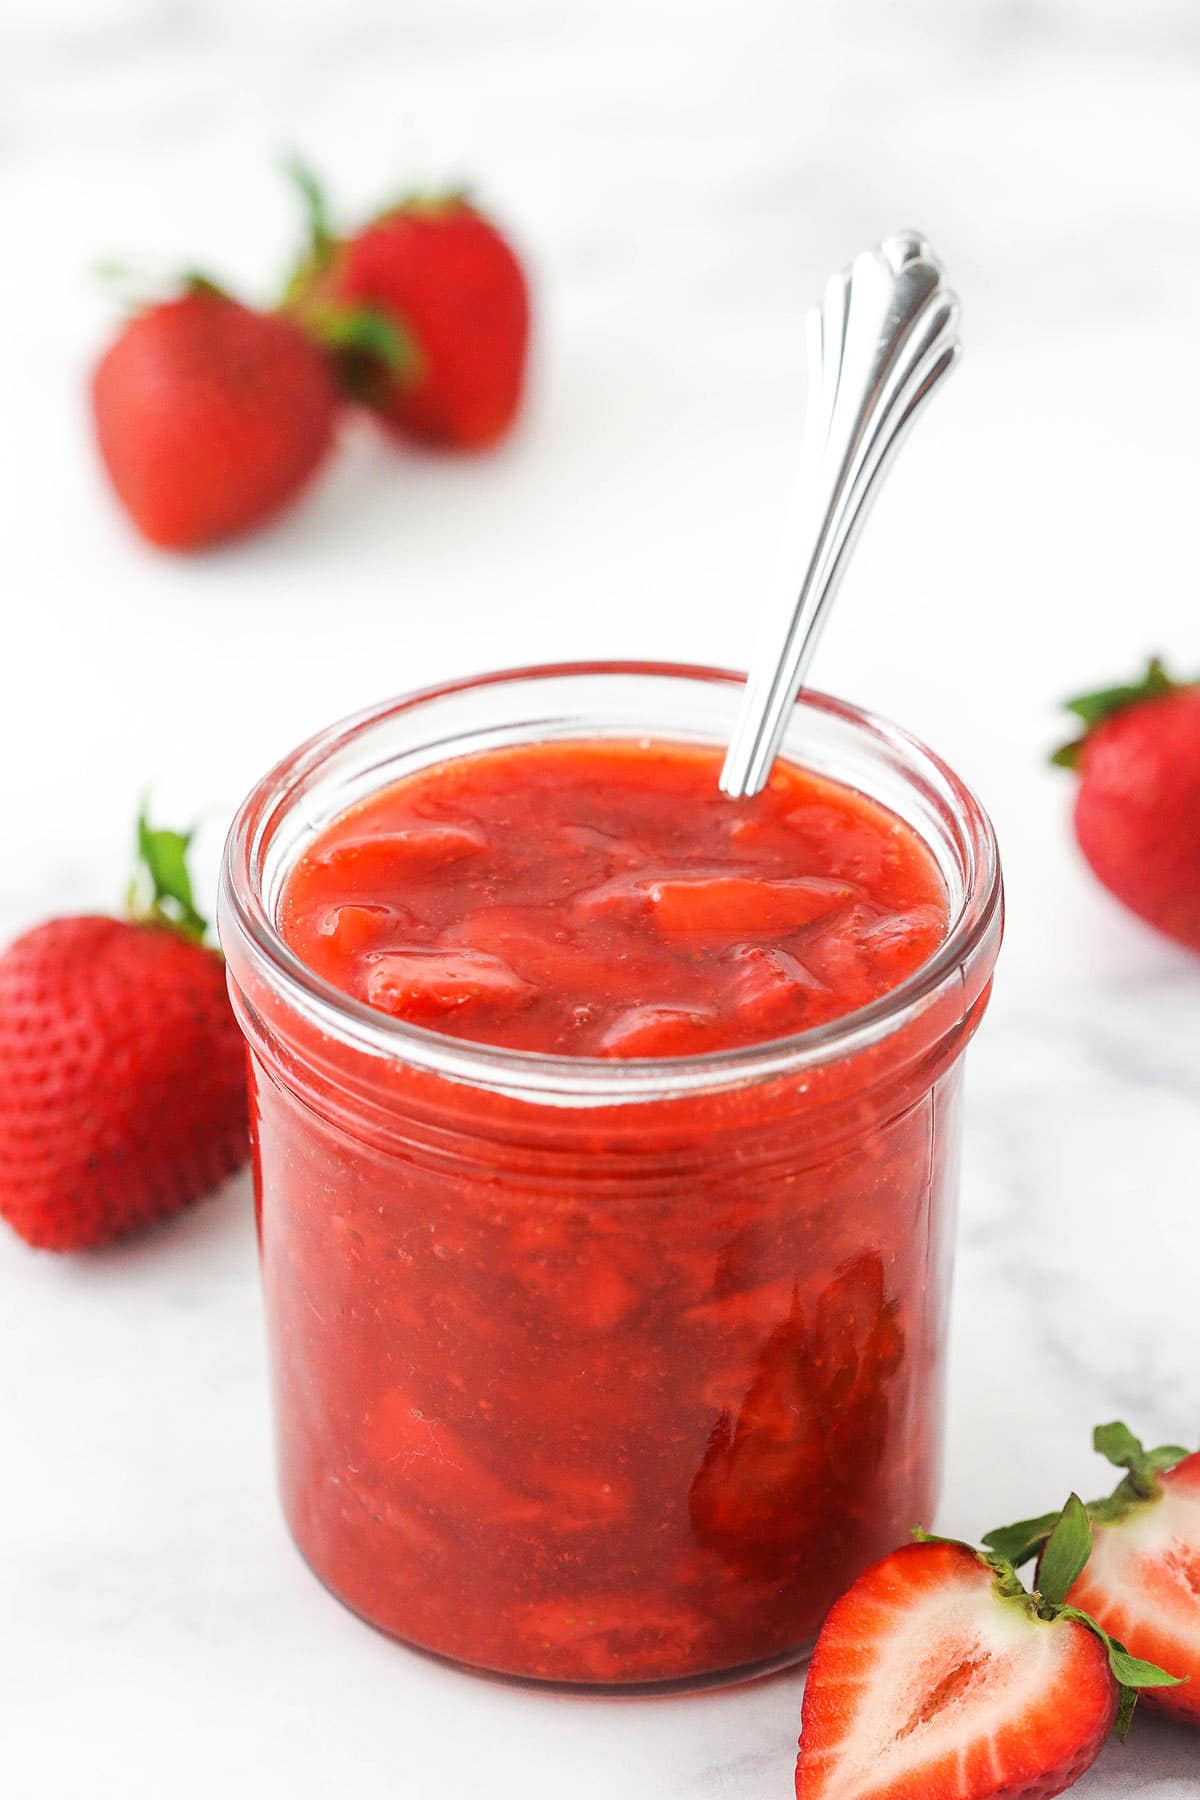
(1021, 1542)
(162, 867)
(321, 238)
(1117, 1444)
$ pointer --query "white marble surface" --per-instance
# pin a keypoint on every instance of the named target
(682, 176)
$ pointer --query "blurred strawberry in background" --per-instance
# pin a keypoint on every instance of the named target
(1137, 808)
(212, 417)
(438, 272)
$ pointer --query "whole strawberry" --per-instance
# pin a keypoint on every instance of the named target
(1137, 811)
(447, 281)
(210, 417)
(122, 1069)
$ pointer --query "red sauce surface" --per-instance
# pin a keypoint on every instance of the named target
(608, 900)
(607, 1396)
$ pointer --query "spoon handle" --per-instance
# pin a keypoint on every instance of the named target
(884, 337)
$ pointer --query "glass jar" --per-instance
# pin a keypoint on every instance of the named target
(603, 1373)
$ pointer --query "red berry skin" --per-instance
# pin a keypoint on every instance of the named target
(122, 1079)
(1137, 810)
(448, 278)
(210, 417)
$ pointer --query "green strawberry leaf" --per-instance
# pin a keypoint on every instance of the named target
(195, 281)
(1019, 1543)
(1067, 1550)
(1117, 1444)
(1136, 1672)
(162, 857)
(1093, 708)
(1165, 1457)
(1131, 1672)
(1126, 1707)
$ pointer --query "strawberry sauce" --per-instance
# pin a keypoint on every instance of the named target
(609, 900)
(617, 1394)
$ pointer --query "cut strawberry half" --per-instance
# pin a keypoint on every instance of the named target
(1142, 1581)
(938, 1674)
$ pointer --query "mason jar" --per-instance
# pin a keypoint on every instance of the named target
(593, 1372)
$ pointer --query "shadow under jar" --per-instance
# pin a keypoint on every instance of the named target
(603, 1373)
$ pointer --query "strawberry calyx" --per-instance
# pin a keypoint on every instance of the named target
(160, 892)
(1117, 1444)
(368, 349)
(1067, 1547)
(1139, 1487)
(371, 351)
(424, 203)
(138, 288)
(1094, 708)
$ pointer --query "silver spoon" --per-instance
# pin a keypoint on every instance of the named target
(878, 346)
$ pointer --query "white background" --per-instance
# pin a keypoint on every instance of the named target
(681, 177)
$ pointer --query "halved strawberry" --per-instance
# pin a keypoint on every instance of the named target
(937, 1674)
(1142, 1581)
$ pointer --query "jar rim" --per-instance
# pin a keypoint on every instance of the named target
(243, 915)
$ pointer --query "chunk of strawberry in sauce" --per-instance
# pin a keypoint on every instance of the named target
(896, 940)
(874, 949)
(743, 905)
(809, 1436)
(534, 941)
(377, 859)
(426, 1461)
(352, 928)
(767, 987)
(600, 1637)
(416, 984)
(760, 1484)
(657, 1031)
(583, 1499)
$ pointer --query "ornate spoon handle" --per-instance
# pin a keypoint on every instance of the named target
(877, 347)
